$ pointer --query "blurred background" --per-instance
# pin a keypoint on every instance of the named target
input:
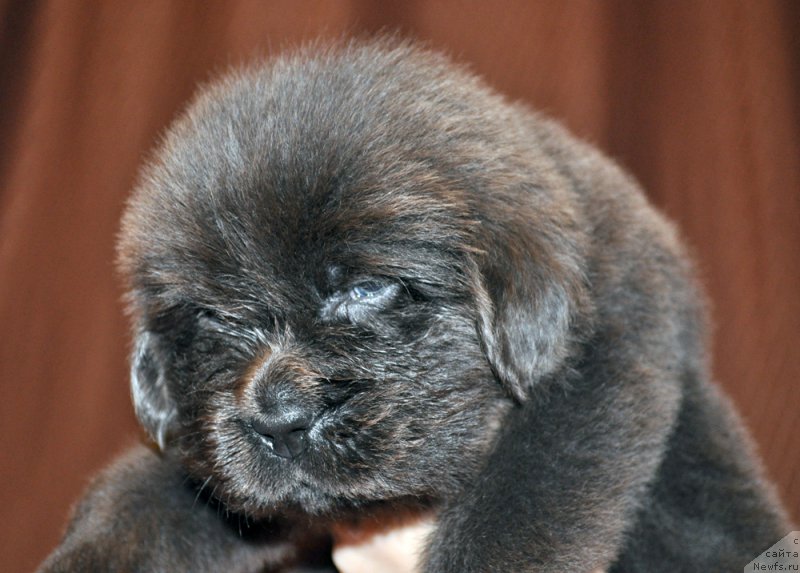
(699, 99)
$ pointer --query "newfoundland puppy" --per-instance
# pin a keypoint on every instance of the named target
(364, 286)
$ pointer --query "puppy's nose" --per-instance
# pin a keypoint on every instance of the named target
(285, 430)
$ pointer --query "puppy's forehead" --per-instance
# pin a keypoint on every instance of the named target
(280, 172)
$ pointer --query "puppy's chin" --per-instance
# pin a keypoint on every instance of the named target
(253, 481)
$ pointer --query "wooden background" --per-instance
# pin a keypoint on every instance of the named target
(699, 99)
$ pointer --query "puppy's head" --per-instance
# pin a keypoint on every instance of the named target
(345, 270)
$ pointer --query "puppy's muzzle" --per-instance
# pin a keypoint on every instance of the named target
(285, 429)
(279, 393)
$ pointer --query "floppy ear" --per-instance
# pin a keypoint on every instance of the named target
(154, 406)
(532, 301)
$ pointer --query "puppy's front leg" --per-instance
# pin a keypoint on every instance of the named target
(141, 516)
(565, 477)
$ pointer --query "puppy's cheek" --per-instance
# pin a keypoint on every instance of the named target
(217, 450)
(417, 442)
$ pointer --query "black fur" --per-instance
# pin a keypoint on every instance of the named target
(455, 307)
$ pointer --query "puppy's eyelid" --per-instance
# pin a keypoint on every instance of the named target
(204, 312)
(361, 299)
(219, 322)
(211, 316)
(372, 292)
(367, 290)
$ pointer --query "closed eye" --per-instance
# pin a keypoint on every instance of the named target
(361, 300)
(370, 290)
(236, 332)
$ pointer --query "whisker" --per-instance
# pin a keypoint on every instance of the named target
(200, 491)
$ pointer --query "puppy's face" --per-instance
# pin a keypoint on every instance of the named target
(329, 357)
(320, 292)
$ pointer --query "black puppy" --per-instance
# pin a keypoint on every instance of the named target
(360, 281)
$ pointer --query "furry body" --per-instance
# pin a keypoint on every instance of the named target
(449, 304)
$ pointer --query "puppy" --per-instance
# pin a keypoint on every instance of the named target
(363, 283)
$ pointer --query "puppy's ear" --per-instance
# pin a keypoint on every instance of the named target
(154, 406)
(532, 302)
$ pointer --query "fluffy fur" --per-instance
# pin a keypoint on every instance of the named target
(449, 304)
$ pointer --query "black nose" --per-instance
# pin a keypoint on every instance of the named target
(285, 431)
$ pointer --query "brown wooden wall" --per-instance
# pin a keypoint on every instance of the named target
(700, 99)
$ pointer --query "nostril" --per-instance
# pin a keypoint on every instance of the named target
(285, 431)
